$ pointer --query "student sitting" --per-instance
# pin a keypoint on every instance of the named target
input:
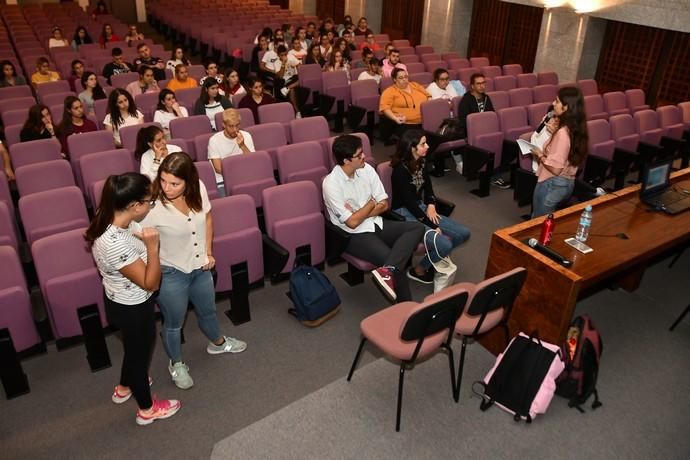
(145, 84)
(122, 111)
(38, 125)
(73, 121)
(231, 141)
(167, 110)
(182, 79)
(43, 73)
(210, 101)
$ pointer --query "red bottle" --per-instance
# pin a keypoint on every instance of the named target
(547, 230)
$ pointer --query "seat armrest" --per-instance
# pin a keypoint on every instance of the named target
(475, 158)
(596, 170)
(337, 240)
(275, 256)
(444, 207)
(392, 215)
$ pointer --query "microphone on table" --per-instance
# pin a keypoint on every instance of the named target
(548, 252)
(549, 116)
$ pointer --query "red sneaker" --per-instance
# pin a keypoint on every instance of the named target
(383, 276)
(161, 409)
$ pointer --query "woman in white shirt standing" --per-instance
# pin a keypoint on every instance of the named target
(122, 111)
(152, 149)
(167, 110)
(183, 217)
(127, 258)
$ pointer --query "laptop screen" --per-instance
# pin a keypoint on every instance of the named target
(656, 177)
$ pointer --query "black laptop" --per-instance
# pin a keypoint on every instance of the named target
(657, 191)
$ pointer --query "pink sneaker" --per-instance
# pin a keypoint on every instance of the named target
(119, 397)
(162, 408)
(383, 276)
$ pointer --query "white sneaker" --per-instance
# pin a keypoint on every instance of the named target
(458, 167)
(298, 115)
(284, 91)
(229, 346)
(600, 191)
(180, 375)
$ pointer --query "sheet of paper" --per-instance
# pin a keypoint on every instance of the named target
(526, 147)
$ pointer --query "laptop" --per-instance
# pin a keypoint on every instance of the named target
(657, 191)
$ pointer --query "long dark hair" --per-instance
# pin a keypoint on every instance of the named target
(574, 118)
(180, 165)
(34, 121)
(144, 138)
(119, 191)
(205, 98)
(2, 69)
(82, 41)
(114, 110)
(184, 59)
(103, 36)
(66, 127)
(161, 99)
(403, 152)
(98, 92)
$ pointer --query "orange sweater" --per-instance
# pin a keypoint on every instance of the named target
(404, 103)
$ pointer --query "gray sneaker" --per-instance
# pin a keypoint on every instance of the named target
(180, 375)
(229, 346)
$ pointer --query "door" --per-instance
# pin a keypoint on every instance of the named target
(402, 19)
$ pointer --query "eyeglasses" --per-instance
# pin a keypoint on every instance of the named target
(480, 82)
(151, 203)
(444, 79)
(358, 156)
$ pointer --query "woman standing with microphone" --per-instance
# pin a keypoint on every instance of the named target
(127, 258)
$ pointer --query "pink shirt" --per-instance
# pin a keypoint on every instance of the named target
(388, 67)
(557, 150)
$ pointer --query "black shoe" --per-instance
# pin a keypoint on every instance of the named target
(500, 183)
(426, 278)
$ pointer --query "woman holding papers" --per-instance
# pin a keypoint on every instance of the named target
(562, 154)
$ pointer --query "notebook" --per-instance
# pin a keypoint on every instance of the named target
(657, 191)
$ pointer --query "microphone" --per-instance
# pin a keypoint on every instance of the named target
(549, 116)
(548, 252)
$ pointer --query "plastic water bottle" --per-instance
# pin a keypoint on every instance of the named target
(585, 224)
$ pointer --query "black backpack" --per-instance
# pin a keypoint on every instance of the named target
(582, 353)
(451, 129)
(315, 298)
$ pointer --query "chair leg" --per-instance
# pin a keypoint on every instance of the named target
(461, 365)
(401, 379)
(680, 318)
(354, 363)
(451, 364)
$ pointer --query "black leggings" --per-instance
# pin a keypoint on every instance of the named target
(137, 323)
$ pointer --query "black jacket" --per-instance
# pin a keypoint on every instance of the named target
(406, 195)
(468, 105)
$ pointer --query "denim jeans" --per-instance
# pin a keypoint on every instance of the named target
(177, 290)
(549, 193)
(453, 234)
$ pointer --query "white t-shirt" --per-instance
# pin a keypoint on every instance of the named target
(114, 249)
(366, 76)
(212, 109)
(164, 117)
(296, 57)
(148, 166)
(182, 237)
(55, 43)
(438, 93)
(129, 120)
(220, 146)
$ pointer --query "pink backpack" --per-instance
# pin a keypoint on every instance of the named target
(523, 379)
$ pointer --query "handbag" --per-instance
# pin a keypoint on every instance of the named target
(445, 268)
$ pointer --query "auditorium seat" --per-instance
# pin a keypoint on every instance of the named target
(268, 137)
(423, 78)
(636, 100)
(15, 117)
(46, 175)
(31, 152)
(431, 66)
(429, 57)
(512, 69)
(458, 63)
(52, 211)
(499, 99)
(647, 126)
(302, 162)
(544, 93)
(246, 116)
(16, 103)
(623, 132)
(450, 56)
(685, 113)
(85, 144)
(147, 103)
(421, 50)
(520, 97)
(484, 139)
(671, 121)
(128, 135)
(479, 62)
(188, 128)
(433, 113)
(536, 112)
(615, 103)
(547, 78)
(121, 80)
(527, 80)
(98, 166)
(13, 92)
(51, 87)
(588, 87)
(594, 107)
(505, 83)
(337, 85)
(201, 146)
(249, 175)
(491, 71)
(9, 232)
(414, 67)
(311, 129)
(281, 112)
(310, 78)
(514, 122)
(408, 59)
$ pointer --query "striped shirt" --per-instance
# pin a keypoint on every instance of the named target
(114, 249)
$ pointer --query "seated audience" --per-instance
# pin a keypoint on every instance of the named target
(122, 111)
(145, 84)
(77, 72)
(256, 98)
(262, 45)
(373, 72)
(146, 59)
(314, 55)
(100, 10)
(118, 65)
(6, 163)
(182, 79)
(349, 38)
(302, 36)
(9, 75)
(57, 40)
(414, 199)
(133, 35)
(327, 26)
(370, 43)
(367, 55)
(325, 46)
(400, 105)
(177, 57)
(363, 27)
(311, 32)
(233, 83)
(231, 141)
(278, 39)
(297, 54)
(212, 72)
(341, 45)
(337, 63)
(92, 92)
(107, 35)
(211, 102)
(43, 73)
(167, 110)
(347, 25)
(441, 88)
(392, 62)
(284, 74)
(81, 37)
(73, 121)
(355, 199)
(152, 149)
(38, 125)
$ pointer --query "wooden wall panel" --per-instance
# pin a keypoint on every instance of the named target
(330, 9)
(674, 86)
(402, 19)
(522, 38)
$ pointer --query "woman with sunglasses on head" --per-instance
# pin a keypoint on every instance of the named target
(127, 258)
(152, 149)
(183, 217)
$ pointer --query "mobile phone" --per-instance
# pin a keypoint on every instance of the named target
(579, 245)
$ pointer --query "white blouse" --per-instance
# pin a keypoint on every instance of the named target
(164, 117)
(129, 120)
(148, 166)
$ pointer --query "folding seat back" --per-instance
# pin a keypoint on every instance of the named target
(201, 146)
(12, 92)
(423, 78)
(310, 77)
(512, 69)
(479, 62)
(499, 99)
(465, 74)
(236, 238)
(594, 107)
(520, 97)
(491, 71)
(268, 137)
(16, 103)
(189, 127)
(123, 79)
(303, 161)
(43, 176)
(249, 175)
(207, 175)
(26, 153)
(547, 78)
(536, 112)
(366, 149)
(365, 93)
(85, 144)
(15, 117)
(647, 126)
(484, 131)
(128, 135)
(406, 50)
(422, 50)
(52, 87)
(100, 107)
(514, 122)
(147, 103)
(246, 117)
(68, 278)
(282, 112)
(408, 59)
(100, 165)
(294, 219)
(197, 71)
(430, 57)
(336, 84)
(623, 132)
(671, 121)
(187, 97)
(414, 67)
(451, 55)
(311, 129)
(431, 66)
(636, 100)
(8, 229)
(588, 87)
(600, 142)
(458, 63)
(544, 93)
(685, 113)
(53, 211)
(615, 103)
(16, 312)
(505, 82)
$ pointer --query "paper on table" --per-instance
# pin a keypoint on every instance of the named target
(526, 147)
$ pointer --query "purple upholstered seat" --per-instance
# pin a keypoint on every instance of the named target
(268, 137)
(128, 135)
(188, 128)
(671, 121)
(615, 103)
(594, 107)
(302, 162)
(512, 69)
(208, 178)
(433, 114)
(588, 87)
(85, 144)
(547, 78)
(505, 83)
(249, 175)
(312, 129)
(536, 112)
(281, 112)
(623, 132)
(26, 153)
(514, 122)
(479, 62)
(499, 99)
(53, 211)
(483, 131)
(600, 142)
(544, 93)
(335, 84)
(647, 126)
(47, 175)
(8, 227)
(52, 87)
(527, 80)
(636, 100)
(520, 97)
(98, 166)
(492, 71)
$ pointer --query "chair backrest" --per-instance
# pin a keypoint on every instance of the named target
(512, 69)
(588, 87)
(207, 175)
(100, 165)
(513, 122)
(8, 229)
(246, 117)
(433, 317)
(544, 93)
(187, 97)
(636, 99)
(5, 195)
(505, 82)
(53, 211)
(685, 111)
(520, 97)
(248, 174)
(128, 135)
(479, 62)
(15, 117)
(286, 201)
(121, 80)
(615, 103)
(623, 131)
(423, 78)
(414, 67)
(309, 129)
(547, 78)
(281, 112)
(201, 146)
(43, 176)
(26, 153)
(296, 159)
(190, 127)
(527, 80)
(12, 92)
(491, 71)
(146, 103)
(16, 103)
(433, 113)
(536, 111)
(51, 87)
(499, 99)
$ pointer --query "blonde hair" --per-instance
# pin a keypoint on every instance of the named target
(232, 116)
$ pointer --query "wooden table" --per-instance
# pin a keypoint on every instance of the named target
(547, 300)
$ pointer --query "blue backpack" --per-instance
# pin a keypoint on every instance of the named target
(315, 298)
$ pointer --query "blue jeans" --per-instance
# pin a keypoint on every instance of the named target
(549, 193)
(177, 289)
(453, 234)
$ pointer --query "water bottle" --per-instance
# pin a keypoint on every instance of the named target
(547, 230)
(585, 224)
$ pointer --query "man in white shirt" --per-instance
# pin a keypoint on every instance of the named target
(231, 141)
(355, 199)
(284, 74)
(297, 54)
(373, 71)
(441, 88)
